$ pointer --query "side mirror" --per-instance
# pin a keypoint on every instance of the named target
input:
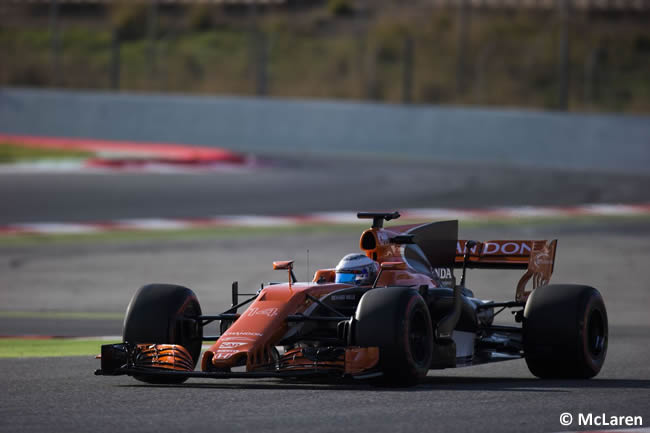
(286, 264)
(394, 266)
(389, 266)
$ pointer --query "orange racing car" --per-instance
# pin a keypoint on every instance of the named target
(390, 313)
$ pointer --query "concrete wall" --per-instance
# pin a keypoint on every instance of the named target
(579, 141)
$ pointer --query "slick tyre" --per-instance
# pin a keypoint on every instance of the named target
(565, 332)
(162, 314)
(397, 321)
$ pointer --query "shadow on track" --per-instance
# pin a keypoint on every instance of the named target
(430, 383)
(532, 384)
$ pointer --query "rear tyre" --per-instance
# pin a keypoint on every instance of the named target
(565, 332)
(162, 314)
(397, 321)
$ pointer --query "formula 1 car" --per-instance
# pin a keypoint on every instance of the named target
(413, 317)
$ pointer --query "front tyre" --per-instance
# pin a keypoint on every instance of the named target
(397, 321)
(164, 314)
(565, 332)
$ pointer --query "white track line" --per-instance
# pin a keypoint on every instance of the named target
(82, 166)
(150, 224)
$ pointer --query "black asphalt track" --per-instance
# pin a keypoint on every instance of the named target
(300, 185)
(62, 395)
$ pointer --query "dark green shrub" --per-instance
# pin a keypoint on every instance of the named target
(129, 19)
(340, 7)
(200, 17)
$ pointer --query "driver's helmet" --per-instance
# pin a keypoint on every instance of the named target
(356, 269)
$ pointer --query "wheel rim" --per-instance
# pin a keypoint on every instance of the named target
(596, 334)
(418, 337)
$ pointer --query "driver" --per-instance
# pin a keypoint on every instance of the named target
(356, 269)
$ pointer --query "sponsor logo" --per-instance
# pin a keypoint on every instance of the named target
(231, 344)
(443, 273)
(222, 355)
(542, 259)
(268, 312)
(508, 248)
(343, 297)
(255, 334)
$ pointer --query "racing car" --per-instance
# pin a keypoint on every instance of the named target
(392, 317)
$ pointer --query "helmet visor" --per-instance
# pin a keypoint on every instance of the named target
(345, 277)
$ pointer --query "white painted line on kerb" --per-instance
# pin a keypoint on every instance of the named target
(151, 224)
(56, 228)
(433, 214)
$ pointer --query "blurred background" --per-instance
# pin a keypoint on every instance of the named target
(576, 55)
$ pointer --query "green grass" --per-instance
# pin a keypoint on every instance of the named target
(37, 348)
(11, 153)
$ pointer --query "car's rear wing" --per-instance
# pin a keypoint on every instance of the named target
(436, 242)
(537, 257)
